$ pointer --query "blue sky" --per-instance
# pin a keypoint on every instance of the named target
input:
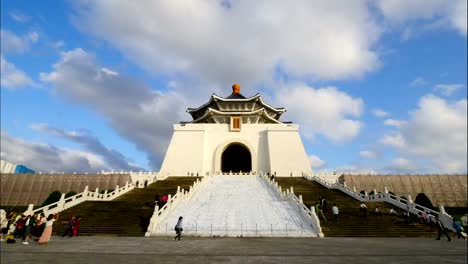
(96, 85)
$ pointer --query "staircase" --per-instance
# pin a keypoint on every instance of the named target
(351, 222)
(127, 215)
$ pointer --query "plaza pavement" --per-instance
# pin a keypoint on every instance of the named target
(115, 250)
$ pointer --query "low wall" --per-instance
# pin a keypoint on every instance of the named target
(445, 190)
(24, 189)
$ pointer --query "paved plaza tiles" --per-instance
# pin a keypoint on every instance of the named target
(108, 249)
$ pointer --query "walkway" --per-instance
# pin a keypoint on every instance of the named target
(101, 249)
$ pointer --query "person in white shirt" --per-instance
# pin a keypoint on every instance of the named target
(392, 212)
(335, 211)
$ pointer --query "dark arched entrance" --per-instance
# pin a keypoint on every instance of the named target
(236, 158)
(423, 200)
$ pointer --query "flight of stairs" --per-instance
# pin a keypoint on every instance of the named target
(127, 215)
(351, 223)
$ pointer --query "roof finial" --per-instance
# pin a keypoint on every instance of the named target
(236, 88)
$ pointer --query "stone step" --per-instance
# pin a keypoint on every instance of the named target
(127, 215)
(351, 222)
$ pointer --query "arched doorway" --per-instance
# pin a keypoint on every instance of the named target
(423, 200)
(236, 158)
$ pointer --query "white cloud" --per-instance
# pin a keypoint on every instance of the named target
(368, 154)
(394, 140)
(435, 132)
(243, 43)
(11, 77)
(431, 13)
(379, 113)
(46, 158)
(448, 89)
(108, 71)
(12, 43)
(19, 17)
(393, 122)
(326, 111)
(316, 162)
(419, 81)
(113, 159)
(401, 165)
(141, 115)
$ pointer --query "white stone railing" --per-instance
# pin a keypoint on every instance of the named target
(310, 214)
(405, 204)
(86, 195)
(159, 214)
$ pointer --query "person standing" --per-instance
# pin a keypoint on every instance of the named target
(30, 223)
(45, 237)
(335, 211)
(178, 228)
(3, 223)
(441, 230)
(77, 225)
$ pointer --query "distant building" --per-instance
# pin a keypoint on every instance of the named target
(8, 167)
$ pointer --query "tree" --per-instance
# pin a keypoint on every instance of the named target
(70, 193)
(53, 197)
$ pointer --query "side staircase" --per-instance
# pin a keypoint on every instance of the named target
(351, 222)
(127, 215)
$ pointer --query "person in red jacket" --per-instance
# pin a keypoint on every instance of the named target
(76, 231)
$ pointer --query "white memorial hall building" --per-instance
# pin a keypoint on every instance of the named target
(236, 135)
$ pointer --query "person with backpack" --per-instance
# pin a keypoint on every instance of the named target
(178, 229)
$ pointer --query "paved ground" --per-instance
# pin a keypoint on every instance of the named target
(101, 249)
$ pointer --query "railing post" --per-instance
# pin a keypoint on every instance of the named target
(354, 188)
(385, 189)
(85, 192)
(178, 189)
(30, 209)
(300, 198)
(292, 190)
(61, 202)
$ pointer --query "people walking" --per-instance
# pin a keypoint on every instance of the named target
(335, 211)
(70, 227)
(458, 228)
(441, 230)
(28, 227)
(178, 229)
(363, 209)
(45, 237)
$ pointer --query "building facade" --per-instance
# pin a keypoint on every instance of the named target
(233, 135)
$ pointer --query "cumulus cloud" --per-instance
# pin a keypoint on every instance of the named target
(46, 158)
(139, 114)
(316, 162)
(431, 13)
(326, 111)
(113, 159)
(448, 89)
(401, 165)
(437, 132)
(379, 113)
(12, 43)
(241, 42)
(12, 77)
(393, 122)
(368, 154)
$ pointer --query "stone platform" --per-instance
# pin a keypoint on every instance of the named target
(102, 249)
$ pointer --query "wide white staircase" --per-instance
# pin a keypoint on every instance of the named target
(237, 205)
